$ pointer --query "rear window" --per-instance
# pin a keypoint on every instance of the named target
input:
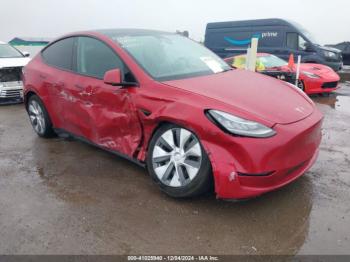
(60, 53)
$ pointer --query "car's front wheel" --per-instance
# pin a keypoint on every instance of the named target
(39, 118)
(301, 85)
(178, 163)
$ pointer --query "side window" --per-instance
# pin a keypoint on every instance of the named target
(302, 43)
(292, 40)
(60, 54)
(95, 58)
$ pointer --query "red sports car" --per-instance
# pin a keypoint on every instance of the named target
(314, 78)
(171, 105)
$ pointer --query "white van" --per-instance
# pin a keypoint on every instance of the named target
(11, 63)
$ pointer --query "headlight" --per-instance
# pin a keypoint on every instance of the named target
(311, 75)
(329, 54)
(239, 126)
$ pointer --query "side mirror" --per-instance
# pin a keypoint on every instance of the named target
(113, 77)
(308, 47)
(26, 54)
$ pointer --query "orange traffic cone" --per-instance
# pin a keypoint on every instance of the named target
(291, 62)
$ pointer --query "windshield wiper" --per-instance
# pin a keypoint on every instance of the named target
(226, 70)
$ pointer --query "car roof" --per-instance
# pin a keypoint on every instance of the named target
(256, 22)
(113, 33)
(129, 32)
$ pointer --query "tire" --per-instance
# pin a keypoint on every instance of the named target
(39, 118)
(301, 85)
(177, 162)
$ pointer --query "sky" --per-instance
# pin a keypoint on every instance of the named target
(328, 21)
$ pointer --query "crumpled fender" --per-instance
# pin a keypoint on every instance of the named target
(167, 110)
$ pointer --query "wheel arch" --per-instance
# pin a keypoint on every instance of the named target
(156, 127)
(27, 96)
(182, 124)
(163, 122)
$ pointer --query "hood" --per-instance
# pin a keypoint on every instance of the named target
(264, 97)
(13, 62)
(321, 70)
(331, 49)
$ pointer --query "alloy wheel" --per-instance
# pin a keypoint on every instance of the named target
(36, 116)
(301, 85)
(177, 157)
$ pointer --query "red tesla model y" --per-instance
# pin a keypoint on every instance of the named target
(171, 105)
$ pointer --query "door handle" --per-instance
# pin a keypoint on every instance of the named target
(86, 91)
(89, 90)
(79, 86)
(42, 76)
(59, 85)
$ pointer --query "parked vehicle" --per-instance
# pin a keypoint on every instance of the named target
(313, 79)
(168, 103)
(344, 47)
(11, 64)
(276, 36)
(239, 62)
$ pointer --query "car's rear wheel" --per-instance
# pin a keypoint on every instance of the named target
(39, 118)
(178, 163)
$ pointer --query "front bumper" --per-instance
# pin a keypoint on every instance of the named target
(250, 167)
(321, 85)
(11, 92)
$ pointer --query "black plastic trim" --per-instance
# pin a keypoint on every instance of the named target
(82, 139)
(257, 175)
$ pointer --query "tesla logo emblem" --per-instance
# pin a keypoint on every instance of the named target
(300, 109)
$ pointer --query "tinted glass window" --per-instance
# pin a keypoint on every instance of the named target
(292, 40)
(302, 43)
(95, 58)
(60, 53)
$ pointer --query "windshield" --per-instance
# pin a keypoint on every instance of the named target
(7, 51)
(262, 62)
(305, 32)
(272, 61)
(170, 56)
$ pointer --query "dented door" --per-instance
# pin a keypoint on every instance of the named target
(113, 118)
(101, 113)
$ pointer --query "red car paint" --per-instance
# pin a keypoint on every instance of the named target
(315, 85)
(115, 119)
(326, 75)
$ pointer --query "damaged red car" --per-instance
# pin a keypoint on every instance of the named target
(171, 105)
